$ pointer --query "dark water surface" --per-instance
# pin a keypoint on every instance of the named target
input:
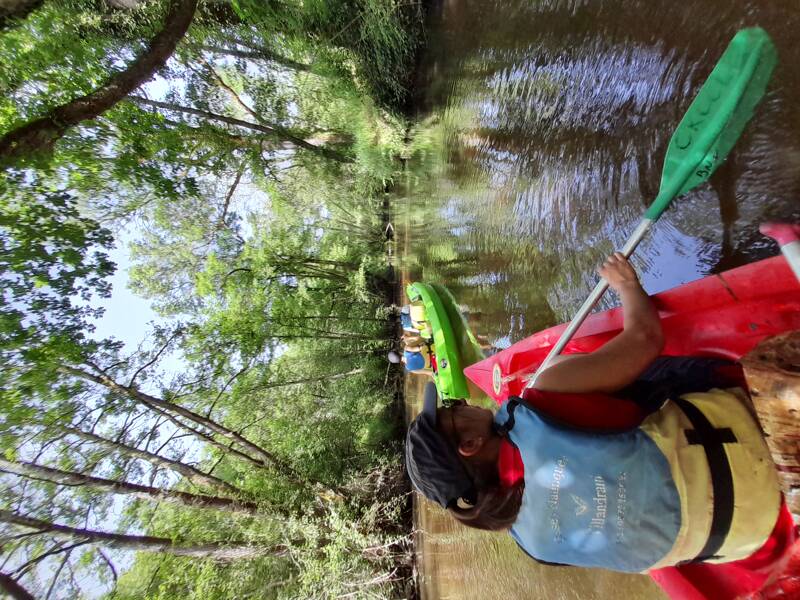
(550, 120)
(544, 125)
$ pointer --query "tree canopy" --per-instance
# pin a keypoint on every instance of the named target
(243, 150)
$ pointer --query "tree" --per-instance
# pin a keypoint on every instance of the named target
(190, 473)
(42, 133)
(215, 550)
(274, 131)
(14, 10)
(34, 471)
(52, 262)
(14, 589)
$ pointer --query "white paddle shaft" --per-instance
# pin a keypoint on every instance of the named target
(792, 253)
(591, 301)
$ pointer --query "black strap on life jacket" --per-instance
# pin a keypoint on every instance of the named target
(703, 433)
(669, 377)
(712, 440)
(511, 406)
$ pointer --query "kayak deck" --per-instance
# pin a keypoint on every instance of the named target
(467, 345)
(722, 315)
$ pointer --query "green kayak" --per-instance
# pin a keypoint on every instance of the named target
(452, 343)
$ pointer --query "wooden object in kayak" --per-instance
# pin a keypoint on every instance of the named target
(722, 315)
(772, 370)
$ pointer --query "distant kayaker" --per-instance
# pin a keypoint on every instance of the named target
(406, 322)
(417, 357)
(613, 459)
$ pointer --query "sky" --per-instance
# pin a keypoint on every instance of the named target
(127, 315)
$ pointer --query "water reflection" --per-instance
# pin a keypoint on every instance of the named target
(542, 133)
(552, 119)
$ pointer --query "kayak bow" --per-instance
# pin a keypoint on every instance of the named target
(722, 315)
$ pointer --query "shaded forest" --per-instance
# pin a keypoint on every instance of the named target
(242, 151)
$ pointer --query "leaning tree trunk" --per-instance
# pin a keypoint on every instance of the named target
(279, 384)
(42, 133)
(263, 457)
(261, 54)
(222, 551)
(276, 132)
(192, 474)
(266, 457)
(113, 486)
(14, 589)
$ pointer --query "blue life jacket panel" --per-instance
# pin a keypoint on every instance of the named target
(414, 360)
(592, 499)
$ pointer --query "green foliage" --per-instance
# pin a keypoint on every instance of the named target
(378, 37)
(254, 195)
(82, 43)
(164, 577)
(53, 262)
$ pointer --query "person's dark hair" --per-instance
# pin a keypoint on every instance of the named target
(496, 506)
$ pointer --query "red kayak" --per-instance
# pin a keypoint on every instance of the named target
(720, 315)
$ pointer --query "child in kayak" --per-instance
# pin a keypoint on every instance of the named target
(417, 357)
(406, 321)
(589, 469)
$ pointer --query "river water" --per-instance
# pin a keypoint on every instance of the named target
(543, 126)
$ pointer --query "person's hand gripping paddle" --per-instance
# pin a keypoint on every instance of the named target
(705, 136)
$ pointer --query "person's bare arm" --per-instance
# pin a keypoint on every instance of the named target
(620, 361)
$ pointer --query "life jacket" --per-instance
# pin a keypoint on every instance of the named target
(419, 319)
(424, 358)
(693, 482)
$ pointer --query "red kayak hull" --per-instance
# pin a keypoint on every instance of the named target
(722, 315)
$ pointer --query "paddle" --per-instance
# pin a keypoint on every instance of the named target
(703, 139)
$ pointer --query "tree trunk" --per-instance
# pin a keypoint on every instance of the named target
(13, 11)
(13, 589)
(269, 386)
(267, 458)
(149, 400)
(42, 133)
(227, 551)
(32, 470)
(276, 132)
(192, 474)
(262, 54)
(207, 438)
(334, 318)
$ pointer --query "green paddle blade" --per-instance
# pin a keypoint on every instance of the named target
(717, 116)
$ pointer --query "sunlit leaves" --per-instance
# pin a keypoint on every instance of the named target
(52, 261)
